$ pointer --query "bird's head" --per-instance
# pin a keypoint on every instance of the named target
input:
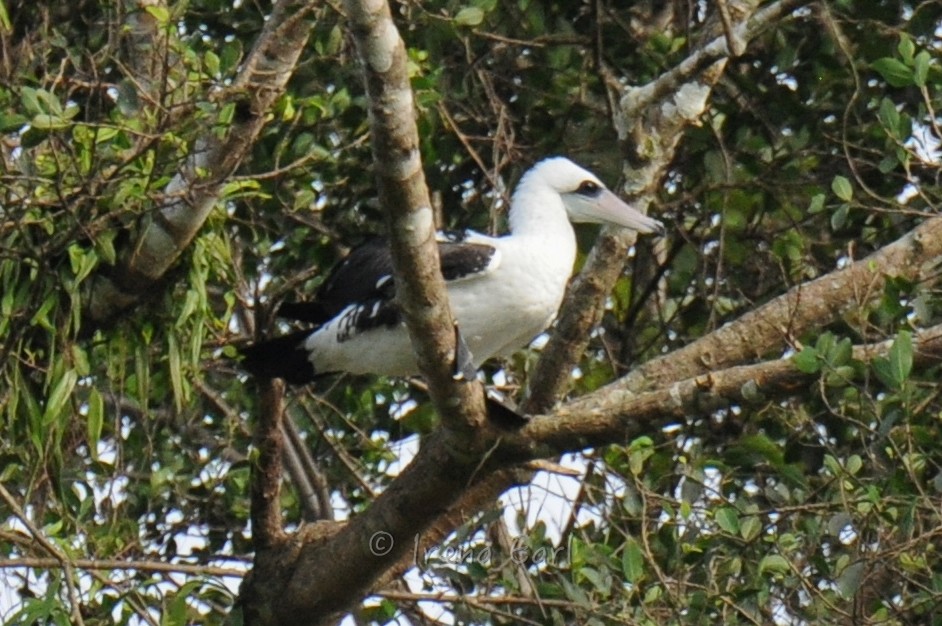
(587, 199)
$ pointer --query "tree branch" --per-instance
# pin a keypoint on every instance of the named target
(130, 565)
(420, 288)
(772, 326)
(191, 194)
(269, 438)
(650, 120)
(602, 418)
(382, 542)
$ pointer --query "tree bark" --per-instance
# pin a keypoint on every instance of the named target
(192, 193)
(420, 288)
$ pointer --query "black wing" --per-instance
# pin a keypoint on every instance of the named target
(355, 279)
(365, 278)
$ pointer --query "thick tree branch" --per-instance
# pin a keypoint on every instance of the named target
(266, 480)
(603, 417)
(429, 486)
(420, 288)
(437, 491)
(765, 330)
(191, 194)
(650, 120)
(774, 325)
(441, 488)
(385, 537)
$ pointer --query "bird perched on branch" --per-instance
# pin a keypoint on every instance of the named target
(503, 291)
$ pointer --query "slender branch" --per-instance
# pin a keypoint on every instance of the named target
(116, 564)
(403, 596)
(309, 479)
(59, 556)
(746, 30)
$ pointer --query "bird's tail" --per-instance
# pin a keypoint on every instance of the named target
(280, 357)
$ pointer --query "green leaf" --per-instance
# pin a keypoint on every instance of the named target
(10, 122)
(817, 204)
(921, 68)
(889, 116)
(61, 390)
(96, 419)
(774, 564)
(46, 121)
(160, 13)
(632, 561)
(840, 353)
(469, 16)
(211, 62)
(906, 48)
(839, 217)
(176, 370)
(894, 369)
(750, 527)
(638, 452)
(5, 25)
(842, 189)
(894, 72)
(848, 583)
(807, 360)
(83, 261)
(727, 518)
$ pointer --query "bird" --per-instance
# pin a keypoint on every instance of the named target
(503, 291)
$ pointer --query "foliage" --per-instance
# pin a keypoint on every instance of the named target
(131, 440)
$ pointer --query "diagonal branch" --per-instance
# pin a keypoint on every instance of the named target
(375, 545)
(814, 304)
(602, 418)
(650, 121)
(191, 194)
(420, 288)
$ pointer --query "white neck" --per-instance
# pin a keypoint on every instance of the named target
(541, 229)
(536, 210)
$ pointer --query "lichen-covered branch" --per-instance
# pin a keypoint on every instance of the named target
(650, 120)
(381, 542)
(420, 288)
(773, 326)
(191, 194)
(611, 416)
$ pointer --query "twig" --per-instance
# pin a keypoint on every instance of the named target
(117, 564)
(60, 557)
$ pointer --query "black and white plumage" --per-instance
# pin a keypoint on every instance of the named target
(503, 291)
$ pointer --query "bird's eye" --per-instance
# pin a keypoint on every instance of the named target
(589, 188)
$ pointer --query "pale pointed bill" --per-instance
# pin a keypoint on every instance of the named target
(611, 209)
(608, 208)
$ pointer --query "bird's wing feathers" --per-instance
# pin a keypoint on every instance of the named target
(355, 279)
(364, 281)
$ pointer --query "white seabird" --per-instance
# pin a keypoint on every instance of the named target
(503, 291)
